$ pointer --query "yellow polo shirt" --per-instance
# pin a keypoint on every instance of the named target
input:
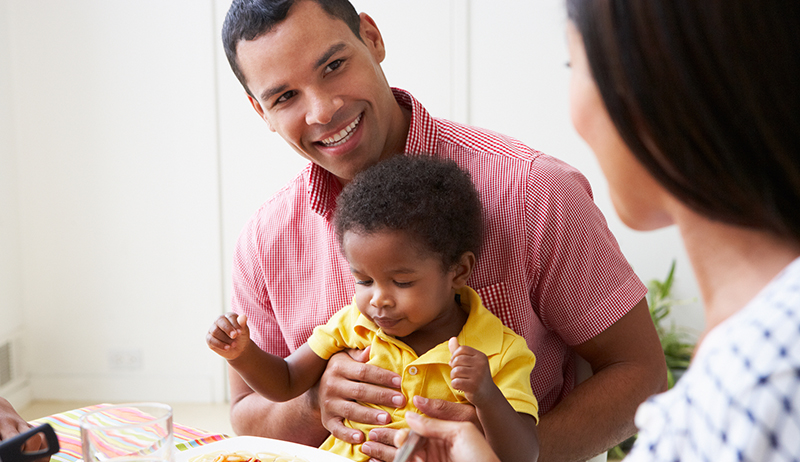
(510, 361)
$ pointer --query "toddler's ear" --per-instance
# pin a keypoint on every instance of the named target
(463, 269)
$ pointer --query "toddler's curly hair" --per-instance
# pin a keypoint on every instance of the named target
(431, 199)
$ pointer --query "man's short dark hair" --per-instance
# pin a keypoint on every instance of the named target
(249, 19)
(431, 199)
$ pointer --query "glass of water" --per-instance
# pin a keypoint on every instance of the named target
(136, 432)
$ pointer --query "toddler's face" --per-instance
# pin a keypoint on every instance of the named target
(401, 288)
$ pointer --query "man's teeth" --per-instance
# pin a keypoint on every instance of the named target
(343, 135)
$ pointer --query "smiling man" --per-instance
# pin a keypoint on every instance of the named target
(550, 268)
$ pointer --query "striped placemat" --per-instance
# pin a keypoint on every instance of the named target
(69, 434)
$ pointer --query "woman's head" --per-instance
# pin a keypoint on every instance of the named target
(705, 96)
(431, 200)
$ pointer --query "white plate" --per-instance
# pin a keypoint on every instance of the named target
(255, 444)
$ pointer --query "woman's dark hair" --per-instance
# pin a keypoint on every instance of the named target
(431, 199)
(706, 93)
(249, 19)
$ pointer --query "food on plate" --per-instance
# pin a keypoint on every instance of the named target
(245, 456)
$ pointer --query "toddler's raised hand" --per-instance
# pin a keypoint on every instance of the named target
(229, 335)
(470, 373)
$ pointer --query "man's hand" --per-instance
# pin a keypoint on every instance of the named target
(347, 380)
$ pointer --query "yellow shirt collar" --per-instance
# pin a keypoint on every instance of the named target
(482, 331)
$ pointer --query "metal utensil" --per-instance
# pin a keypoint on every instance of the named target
(413, 442)
(11, 449)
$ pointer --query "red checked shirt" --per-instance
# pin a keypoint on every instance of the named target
(549, 268)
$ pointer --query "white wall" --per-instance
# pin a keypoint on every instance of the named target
(136, 160)
(114, 106)
(11, 314)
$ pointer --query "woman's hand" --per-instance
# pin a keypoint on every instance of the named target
(12, 424)
(447, 441)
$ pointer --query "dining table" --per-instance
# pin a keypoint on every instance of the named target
(67, 428)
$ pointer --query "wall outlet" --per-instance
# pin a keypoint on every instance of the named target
(125, 360)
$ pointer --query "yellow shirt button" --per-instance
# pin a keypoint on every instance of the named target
(412, 370)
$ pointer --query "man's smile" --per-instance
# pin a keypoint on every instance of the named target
(343, 136)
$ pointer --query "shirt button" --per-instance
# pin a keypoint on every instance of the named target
(412, 370)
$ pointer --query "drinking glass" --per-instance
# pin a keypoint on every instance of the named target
(136, 432)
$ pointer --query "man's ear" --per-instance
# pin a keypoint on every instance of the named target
(372, 37)
(462, 269)
(257, 106)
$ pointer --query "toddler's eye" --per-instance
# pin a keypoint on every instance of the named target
(363, 283)
(403, 284)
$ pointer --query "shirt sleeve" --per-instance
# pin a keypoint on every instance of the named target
(250, 295)
(337, 334)
(709, 421)
(585, 284)
(513, 375)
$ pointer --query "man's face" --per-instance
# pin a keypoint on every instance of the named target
(323, 90)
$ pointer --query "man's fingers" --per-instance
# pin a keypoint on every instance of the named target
(344, 366)
(347, 382)
(378, 450)
(344, 409)
(339, 430)
(383, 435)
(361, 356)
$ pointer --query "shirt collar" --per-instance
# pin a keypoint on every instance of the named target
(324, 188)
(422, 132)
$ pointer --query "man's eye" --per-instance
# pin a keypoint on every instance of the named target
(285, 97)
(333, 66)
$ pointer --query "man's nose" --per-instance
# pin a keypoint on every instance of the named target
(322, 107)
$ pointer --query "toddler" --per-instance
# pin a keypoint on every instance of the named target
(410, 227)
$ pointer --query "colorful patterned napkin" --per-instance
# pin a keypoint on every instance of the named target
(68, 431)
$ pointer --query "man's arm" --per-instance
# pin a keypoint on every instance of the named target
(297, 420)
(628, 366)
